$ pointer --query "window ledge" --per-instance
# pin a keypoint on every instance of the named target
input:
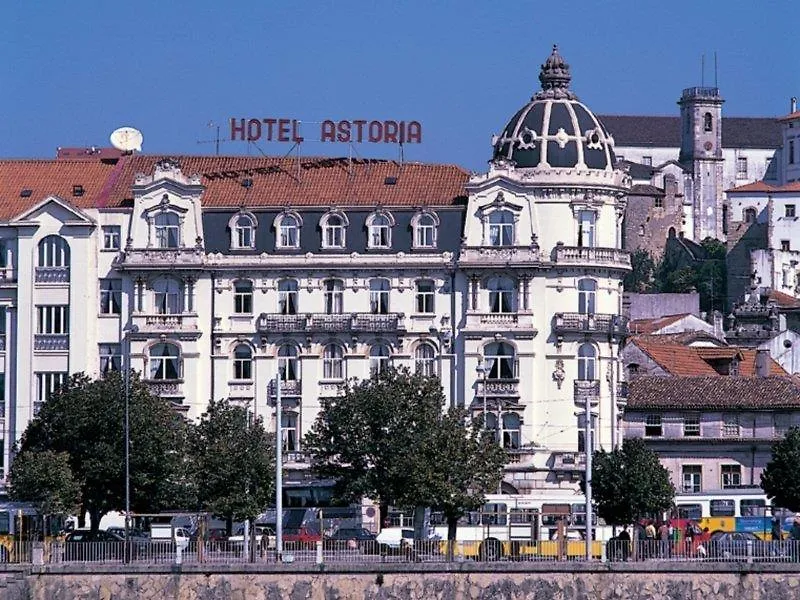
(421, 316)
(108, 315)
(111, 250)
(241, 316)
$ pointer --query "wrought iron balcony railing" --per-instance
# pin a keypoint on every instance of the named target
(616, 325)
(324, 322)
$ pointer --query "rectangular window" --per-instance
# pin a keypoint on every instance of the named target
(110, 358)
(741, 168)
(289, 433)
(790, 210)
(692, 478)
(754, 507)
(722, 508)
(647, 160)
(52, 319)
(791, 152)
(691, 425)
(111, 237)
(3, 253)
(334, 297)
(731, 476)
(110, 296)
(690, 511)
(425, 296)
(586, 228)
(785, 245)
(781, 422)
(730, 425)
(658, 202)
(243, 298)
(46, 384)
(652, 426)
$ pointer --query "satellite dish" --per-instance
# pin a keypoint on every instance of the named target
(127, 139)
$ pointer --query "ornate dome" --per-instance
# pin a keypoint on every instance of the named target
(554, 129)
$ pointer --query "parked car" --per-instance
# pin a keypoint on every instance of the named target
(236, 542)
(301, 536)
(725, 545)
(86, 545)
(352, 538)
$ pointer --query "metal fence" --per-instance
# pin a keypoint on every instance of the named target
(369, 551)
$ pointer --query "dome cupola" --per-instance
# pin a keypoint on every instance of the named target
(555, 130)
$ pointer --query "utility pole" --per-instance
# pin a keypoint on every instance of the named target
(278, 467)
(588, 475)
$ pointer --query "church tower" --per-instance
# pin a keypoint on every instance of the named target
(701, 152)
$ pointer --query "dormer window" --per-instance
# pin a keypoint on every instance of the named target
(425, 226)
(334, 228)
(379, 227)
(501, 228)
(243, 231)
(287, 227)
(167, 228)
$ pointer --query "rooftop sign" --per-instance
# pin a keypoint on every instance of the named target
(356, 131)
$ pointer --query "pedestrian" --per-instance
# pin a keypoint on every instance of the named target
(663, 536)
(650, 539)
(777, 534)
(624, 541)
(688, 538)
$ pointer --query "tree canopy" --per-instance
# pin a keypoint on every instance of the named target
(387, 438)
(630, 483)
(45, 478)
(779, 479)
(641, 279)
(232, 461)
(84, 420)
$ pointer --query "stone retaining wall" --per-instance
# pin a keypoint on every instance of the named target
(417, 582)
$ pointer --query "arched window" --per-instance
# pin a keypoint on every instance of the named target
(242, 362)
(334, 296)
(167, 226)
(243, 297)
(379, 226)
(288, 229)
(333, 362)
(511, 430)
(168, 295)
(165, 362)
(587, 292)
(749, 215)
(587, 359)
(425, 356)
(500, 360)
(425, 230)
(501, 294)
(708, 122)
(288, 363)
(334, 230)
(379, 296)
(243, 232)
(501, 228)
(287, 297)
(379, 356)
(53, 252)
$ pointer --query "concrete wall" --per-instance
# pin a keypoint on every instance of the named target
(638, 581)
(654, 306)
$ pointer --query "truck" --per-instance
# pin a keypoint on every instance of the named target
(167, 532)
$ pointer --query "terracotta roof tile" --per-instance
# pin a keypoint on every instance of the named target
(783, 300)
(763, 187)
(51, 178)
(311, 181)
(705, 393)
(652, 325)
(688, 361)
(791, 116)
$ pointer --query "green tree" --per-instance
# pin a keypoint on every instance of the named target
(232, 461)
(454, 466)
(779, 479)
(641, 278)
(85, 420)
(45, 479)
(630, 483)
(374, 438)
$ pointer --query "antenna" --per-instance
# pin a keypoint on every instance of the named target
(715, 69)
(127, 139)
(216, 141)
(702, 70)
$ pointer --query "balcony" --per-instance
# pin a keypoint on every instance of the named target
(610, 258)
(8, 276)
(334, 323)
(498, 388)
(289, 388)
(622, 393)
(569, 461)
(613, 325)
(241, 389)
(51, 342)
(165, 323)
(297, 457)
(494, 257)
(52, 275)
(158, 258)
(165, 388)
(483, 321)
(586, 389)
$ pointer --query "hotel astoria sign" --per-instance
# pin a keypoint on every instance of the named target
(355, 131)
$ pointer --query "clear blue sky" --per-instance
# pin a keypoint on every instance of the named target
(73, 71)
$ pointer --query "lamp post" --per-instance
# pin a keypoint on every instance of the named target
(278, 466)
(127, 427)
(588, 475)
(482, 373)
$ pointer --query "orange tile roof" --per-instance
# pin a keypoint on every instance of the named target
(689, 361)
(309, 181)
(648, 326)
(784, 300)
(51, 177)
(763, 187)
(791, 116)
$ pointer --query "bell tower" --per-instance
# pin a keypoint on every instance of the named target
(701, 152)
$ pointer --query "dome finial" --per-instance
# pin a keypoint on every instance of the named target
(555, 77)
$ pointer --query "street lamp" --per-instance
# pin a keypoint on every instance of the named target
(127, 426)
(278, 466)
(482, 373)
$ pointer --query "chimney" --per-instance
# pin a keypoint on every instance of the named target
(762, 362)
(719, 329)
(793, 105)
